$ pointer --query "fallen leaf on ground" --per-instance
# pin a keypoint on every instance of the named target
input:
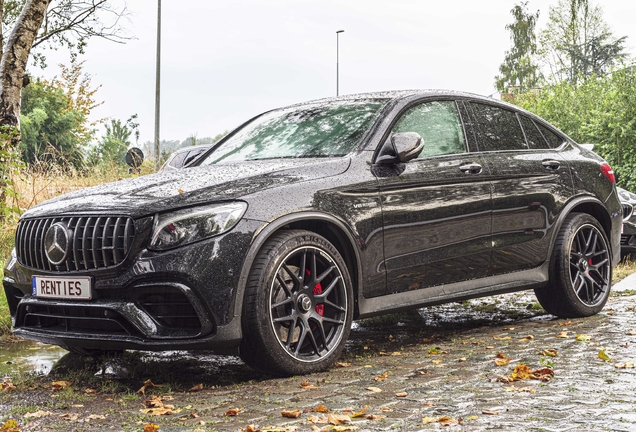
(360, 413)
(196, 388)
(428, 403)
(307, 385)
(401, 394)
(154, 402)
(520, 389)
(430, 339)
(149, 427)
(160, 411)
(543, 374)
(631, 333)
(523, 372)
(435, 351)
(7, 384)
(233, 412)
(461, 359)
(520, 372)
(509, 328)
(529, 337)
(318, 419)
(563, 335)
(382, 377)
(38, 414)
(437, 361)
(338, 419)
(375, 417)
(490, 347)
(67, 417)
(567, 323)
(550, 352)
(386, 409)
(501, 359)
(490, 412)
(95, 417)
(290, 413)
(583, 337)
(343, 364)
(58, 385)
(249, 428)
(10, 426)
(629, 364)
(374, 389)
(603, 356)
(321, 409)
(147, 384)
(499, 338)
(443, 420)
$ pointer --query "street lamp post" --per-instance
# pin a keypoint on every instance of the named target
(338, 62)
(157, 89)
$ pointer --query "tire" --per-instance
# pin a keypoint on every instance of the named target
(315, 310)
(580, 270)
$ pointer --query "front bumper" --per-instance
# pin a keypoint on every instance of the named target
(628, 237)
(178, 299)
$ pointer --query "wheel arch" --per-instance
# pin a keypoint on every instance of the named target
(588, 205)
(323, 224)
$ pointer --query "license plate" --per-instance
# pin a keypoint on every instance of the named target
(59, 287)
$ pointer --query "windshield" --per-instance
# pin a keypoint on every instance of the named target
(313, 130)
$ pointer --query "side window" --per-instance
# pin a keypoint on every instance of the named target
(438, 124)
(534, 137)
(498, 128)
(177, 160)
(553, 139)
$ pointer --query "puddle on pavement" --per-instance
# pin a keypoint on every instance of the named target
(28, 357)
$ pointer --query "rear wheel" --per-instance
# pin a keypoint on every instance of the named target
(581, 269)
(298, 305)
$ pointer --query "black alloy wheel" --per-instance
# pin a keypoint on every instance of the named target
(581, 269)
(298, 305)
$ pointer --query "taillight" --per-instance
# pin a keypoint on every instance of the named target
(608, 172)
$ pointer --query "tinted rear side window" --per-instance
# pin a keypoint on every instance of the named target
(439, 126)
(553, 139)
(177, 160)
(498, 128)
(534, 137)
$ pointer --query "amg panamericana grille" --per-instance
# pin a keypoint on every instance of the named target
(96, 242)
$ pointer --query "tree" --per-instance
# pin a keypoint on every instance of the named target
(578, 43)
(113, 145)
(600, 110)
(69, 23)
(519, 68)
(51, 125)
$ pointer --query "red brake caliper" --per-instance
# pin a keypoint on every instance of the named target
(320, 308)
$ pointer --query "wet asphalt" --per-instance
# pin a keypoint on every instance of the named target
(449, 367)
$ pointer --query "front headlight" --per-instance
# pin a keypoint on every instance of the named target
(185, 226)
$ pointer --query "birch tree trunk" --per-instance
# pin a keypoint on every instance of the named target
(15, 58)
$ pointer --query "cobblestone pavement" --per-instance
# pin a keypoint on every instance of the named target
(413, 371)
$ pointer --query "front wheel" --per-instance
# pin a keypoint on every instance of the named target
(298, 305)
(581, 269)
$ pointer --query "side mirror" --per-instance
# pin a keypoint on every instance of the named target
(401, 147)
(134, 157)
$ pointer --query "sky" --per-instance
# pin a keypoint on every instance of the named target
(224, 62)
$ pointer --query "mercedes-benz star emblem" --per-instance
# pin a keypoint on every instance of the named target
(57, 243)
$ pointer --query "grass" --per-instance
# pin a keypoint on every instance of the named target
(626, 267)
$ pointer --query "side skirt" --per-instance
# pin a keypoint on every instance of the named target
(493, 285)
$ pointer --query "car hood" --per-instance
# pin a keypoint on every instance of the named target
(153, 193)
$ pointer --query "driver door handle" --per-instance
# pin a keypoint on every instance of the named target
(470, 168)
